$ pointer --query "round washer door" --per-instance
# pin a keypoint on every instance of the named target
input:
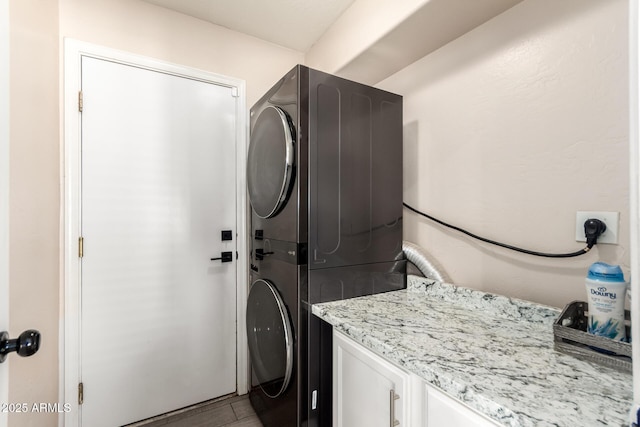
(270, 162)
(270, 337)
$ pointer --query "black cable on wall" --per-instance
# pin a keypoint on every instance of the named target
(590, 243)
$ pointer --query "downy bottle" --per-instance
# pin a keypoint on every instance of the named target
(606, 292)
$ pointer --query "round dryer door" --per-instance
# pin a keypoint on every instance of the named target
(270, 162)
(270, 337)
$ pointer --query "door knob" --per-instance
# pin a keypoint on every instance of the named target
(27, 344)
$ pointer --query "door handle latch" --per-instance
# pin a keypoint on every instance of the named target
(27, 344)
(224, 257)
(260, 254)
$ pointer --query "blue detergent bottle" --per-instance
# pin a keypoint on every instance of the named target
(606, 292)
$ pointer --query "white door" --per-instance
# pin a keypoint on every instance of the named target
(158, 188)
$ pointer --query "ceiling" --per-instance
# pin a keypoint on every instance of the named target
(295, 24)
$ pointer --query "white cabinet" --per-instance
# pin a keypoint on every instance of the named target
(444, 411)
(369, 391)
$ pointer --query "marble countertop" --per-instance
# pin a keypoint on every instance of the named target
(491, 352)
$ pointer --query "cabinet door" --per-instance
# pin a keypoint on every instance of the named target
(367, 390)
(444, 411)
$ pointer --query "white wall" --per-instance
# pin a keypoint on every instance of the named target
(4, 194)
(374, 39)
(34, 202)
(634, 183)
(511, 129)
(145, 29)
(356, 30)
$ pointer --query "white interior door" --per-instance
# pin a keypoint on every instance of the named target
(158, 186)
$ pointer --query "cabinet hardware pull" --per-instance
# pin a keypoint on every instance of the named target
(392, 408)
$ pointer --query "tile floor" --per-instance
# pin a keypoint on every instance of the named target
(233, 411)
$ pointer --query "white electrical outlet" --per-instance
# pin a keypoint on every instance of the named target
(610, 219)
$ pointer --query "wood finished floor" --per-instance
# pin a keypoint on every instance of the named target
(234, 411)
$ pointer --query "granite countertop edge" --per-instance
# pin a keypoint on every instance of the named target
(425, 329)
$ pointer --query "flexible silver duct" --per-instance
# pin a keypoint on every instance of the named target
(424, 262)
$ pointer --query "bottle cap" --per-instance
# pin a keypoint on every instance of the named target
(604, 272)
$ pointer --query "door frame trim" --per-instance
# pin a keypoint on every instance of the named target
(74, 50)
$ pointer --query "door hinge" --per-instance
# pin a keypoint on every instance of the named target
(80, 247)
(80, 393)
(80, 101)
(234, 92)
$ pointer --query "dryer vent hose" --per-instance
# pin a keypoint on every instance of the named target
(424, 262)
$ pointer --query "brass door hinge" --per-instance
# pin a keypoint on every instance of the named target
(80, 393)
(80, 101)
(80, 247)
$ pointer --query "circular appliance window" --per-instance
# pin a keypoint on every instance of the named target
(270, 162)
(270, 338)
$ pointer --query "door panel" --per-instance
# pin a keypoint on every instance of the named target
(158, 173)
(355, 171)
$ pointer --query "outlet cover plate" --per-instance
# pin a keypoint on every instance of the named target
(610, 219)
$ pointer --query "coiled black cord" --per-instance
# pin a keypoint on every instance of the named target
(503, 245)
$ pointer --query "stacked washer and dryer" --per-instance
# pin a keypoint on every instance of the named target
(324, 177)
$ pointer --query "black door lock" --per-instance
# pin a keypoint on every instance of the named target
(224, 257)
(27, 344)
